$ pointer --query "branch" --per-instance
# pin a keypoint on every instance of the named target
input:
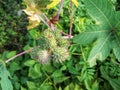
(47, 20)
(61, 5)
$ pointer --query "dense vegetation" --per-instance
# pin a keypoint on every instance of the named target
(90, 60)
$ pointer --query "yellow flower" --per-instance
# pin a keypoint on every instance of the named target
(31, 11)
(75, 2)
(55, 2)
(33, 21)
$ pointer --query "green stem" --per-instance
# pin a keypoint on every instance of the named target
(84, 58)
(49, 78)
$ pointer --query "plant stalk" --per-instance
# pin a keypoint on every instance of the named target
(12, 58)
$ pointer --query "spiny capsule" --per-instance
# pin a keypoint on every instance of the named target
(61, 42)
(60, 54)
(47, 40)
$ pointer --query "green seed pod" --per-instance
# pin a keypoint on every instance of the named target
(48, 33)
(60, 54)
(57, 34)
(44, 43)
(61, 42)
(47, 40)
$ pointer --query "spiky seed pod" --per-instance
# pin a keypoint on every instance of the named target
(44, 43)
(60, 54)
(43, 56)
(48, 35)
(57, 34)
(61, 42)
(47, 40)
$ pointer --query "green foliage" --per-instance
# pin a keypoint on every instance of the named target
(11, 54)
(105, 32)
(29, 72)
(4, 76)
(12, 26)
(110, 76)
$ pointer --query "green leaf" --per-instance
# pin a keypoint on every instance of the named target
(60, 79)
(22, 88)
(11, 54)
(35, 71)
(115, 83)
(72, 69)
(95, 86)
(116, 51)
(5, 75)
(73, 86)
(102, 12)
(87, 37)
(105, 34)
(46, 66)
(46, 86)
(58, 76)
(63, 68)
(34, 34)
(57, 73)
(31, 85)
(29, 63)
(13, 67)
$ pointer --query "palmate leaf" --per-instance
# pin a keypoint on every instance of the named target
(105, 33)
